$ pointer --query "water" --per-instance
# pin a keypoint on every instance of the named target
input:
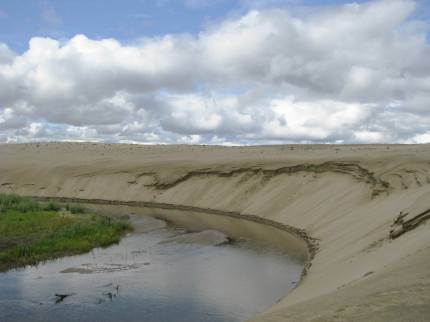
(141, 280)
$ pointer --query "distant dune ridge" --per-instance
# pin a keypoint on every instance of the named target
(367, 206)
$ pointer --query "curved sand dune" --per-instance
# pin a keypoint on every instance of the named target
(367, 205)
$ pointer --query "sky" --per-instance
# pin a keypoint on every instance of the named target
(226, 72)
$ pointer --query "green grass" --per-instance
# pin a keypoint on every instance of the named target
(32, 231)
(75, 208)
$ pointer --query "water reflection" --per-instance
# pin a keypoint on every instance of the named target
(142, 280)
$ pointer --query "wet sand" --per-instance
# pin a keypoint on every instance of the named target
(366, 205)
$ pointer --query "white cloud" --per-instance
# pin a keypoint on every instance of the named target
(365, 136)
(323, 120)
(6, 55)
(351, 73)
(34, 129)
(422, 138)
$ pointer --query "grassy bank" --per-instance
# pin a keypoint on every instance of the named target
(32, 231)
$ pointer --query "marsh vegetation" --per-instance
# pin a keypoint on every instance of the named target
(32, 231)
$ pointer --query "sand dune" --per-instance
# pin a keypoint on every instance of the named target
(367, 205)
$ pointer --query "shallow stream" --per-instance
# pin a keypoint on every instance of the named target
(141, 279)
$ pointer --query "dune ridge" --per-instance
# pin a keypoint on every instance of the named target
(367, 205)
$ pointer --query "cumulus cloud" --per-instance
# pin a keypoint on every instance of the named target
(6, 55)
(350, 73)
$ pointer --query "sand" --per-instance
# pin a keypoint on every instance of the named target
(367, 205)
(205, 238)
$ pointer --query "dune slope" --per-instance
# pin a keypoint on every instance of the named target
(367, 205)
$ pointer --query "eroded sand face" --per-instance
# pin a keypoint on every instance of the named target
(348, 197)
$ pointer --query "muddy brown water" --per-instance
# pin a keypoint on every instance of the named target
(141, 279)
